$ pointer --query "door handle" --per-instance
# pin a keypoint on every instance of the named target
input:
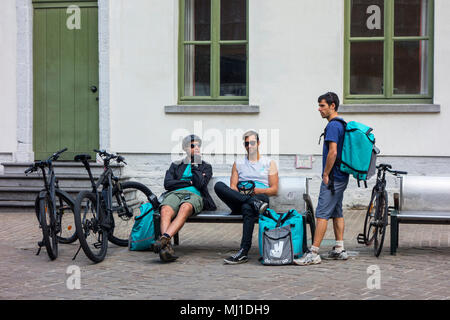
(94, 89)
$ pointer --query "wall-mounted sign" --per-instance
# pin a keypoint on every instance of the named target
(303, 161)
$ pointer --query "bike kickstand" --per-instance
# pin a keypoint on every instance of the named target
(76, 254)
(40, 244)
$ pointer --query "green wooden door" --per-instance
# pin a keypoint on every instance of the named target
(65, 66)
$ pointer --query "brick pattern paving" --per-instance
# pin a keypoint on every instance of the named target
(421, 269)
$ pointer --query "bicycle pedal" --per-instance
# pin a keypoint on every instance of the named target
(98, 245)
(361, 238)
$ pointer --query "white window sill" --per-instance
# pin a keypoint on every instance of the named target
(390, 108)
(211, 109)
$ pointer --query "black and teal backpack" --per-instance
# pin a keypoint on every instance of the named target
(359, 153)
(270, 220)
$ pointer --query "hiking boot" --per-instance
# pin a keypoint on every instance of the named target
(237, 258)
(166, 253)
(308, 258)
(260, 206)
(333, 254)
(157, 246)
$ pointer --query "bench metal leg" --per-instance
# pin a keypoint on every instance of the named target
(394, 234)
(305, 237)
(176, 239)
(312, 227)
(157, 222)
(397, 233)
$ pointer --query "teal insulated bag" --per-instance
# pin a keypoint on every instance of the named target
(270, 220)
(142, 235)
(359, 153)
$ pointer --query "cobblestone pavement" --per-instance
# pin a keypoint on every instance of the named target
(420, 270)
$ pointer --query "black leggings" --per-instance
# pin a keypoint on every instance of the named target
(241, 204)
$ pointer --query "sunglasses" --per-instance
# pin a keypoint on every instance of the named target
(195, 145)
(251, 143)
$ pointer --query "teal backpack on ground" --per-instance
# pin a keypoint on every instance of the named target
(271, 220)
(143, 235)
(359, 153)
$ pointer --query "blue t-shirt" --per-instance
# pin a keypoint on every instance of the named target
(187, 176)
(334, 133)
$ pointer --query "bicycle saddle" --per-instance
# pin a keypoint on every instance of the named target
(383, 165)
(82, 157)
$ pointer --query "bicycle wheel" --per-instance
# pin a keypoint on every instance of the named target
(64, 214)
(65, 207)
(93, 238)
(48, 226)
(382, 221)
(369, 222)
(125, 207)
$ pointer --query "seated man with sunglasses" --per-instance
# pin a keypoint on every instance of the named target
(187, 181)
(252, 169)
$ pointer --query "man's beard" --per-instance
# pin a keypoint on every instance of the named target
(196, 159)
(253, 152)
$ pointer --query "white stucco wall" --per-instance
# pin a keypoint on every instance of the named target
(296, 54)
(8, 53)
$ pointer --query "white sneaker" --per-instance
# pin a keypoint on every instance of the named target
(308, 258)
(343, 255)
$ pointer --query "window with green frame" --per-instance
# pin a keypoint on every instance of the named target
(213, 52)
(388, 51)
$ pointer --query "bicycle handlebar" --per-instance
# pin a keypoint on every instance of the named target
(41, 164)
(110, 156)
(30, 169)
(56, 155)
(384, 166)
(388, 168)
(35, 166)
(395, 173)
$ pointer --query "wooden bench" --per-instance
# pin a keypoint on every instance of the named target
(293, 193)
(422, 200)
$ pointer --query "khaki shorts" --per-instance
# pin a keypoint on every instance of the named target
(175, 199)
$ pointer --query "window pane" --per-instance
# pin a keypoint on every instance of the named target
(233, 20)
(367, 18)
(410, 18)
(233, 70)
(366, 67)
(410, 67)
(197, 70)
(197, 24)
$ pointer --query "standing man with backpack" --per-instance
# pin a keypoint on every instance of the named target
(334, 183)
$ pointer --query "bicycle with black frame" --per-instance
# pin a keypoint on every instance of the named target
(54, 209)
(376, 220)
(106, 212)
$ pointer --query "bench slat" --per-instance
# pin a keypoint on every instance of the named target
(432, 215)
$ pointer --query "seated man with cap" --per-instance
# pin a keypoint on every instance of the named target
(186, 182)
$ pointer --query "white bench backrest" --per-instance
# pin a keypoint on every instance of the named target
(425, 193)
(290, 194)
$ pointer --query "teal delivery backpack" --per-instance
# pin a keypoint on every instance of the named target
(359, 153)
(270, 220)
(143, 234)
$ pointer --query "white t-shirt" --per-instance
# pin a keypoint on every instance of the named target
(255, 171)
